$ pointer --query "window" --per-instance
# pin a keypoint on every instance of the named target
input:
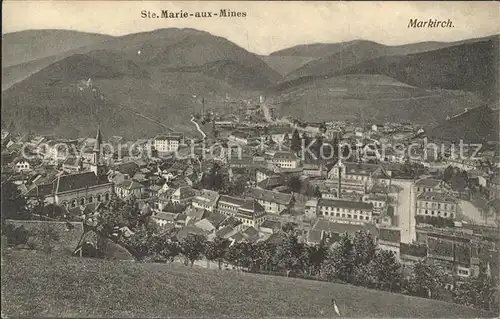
(82, 201)
(91, 199)
(367, 218)
(432, 213)
(99, 197)
(73, 203)
(106, 197)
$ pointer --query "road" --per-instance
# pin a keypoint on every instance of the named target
(198, 127)
(405, 210)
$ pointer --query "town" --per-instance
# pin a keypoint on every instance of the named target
(421, 222)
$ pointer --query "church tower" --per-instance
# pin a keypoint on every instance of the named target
(96, 164)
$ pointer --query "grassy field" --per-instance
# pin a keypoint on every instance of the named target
(35, 285)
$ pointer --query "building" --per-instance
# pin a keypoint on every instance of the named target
(206, 199)
(168, 143)
(273, 202)
(251, 213)
(128, 188)
(183, 195)
(285, 160)
(436, 204)
(452, 252)
(228, 205)
(355, 177)
(379, 202)
(164, 218)
(311, 208)
(22, 165)
(314, 169)
(344, 210)
(389, 239)
(239, 137)
(430, 185)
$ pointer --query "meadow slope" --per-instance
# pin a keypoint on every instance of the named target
(35, 285)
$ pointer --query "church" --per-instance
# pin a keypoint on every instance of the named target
(78, 189)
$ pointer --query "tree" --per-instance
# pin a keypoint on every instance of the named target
(48, 236)
(13, 203)
(480, 292)
(216, 179)
(192, 247)
(424, 281)
(215, 250)
(364, 248)
(313, 258)
(317, 192)
(322, 127)
(386, 270)
(289, 253)
(295, 184)
(296, 143)
(341, 261)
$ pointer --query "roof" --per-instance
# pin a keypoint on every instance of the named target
(312, 203)
(240, 134)
(205, 224)
(111, 250)
(40, 190)
(344, 204)
(437, 197)
(272, 224)
(284, 156)
(271, 182)
(235, 201)
(215, 218)
(185, 192)
(65, 235)
(250, 232)
(197, 213)
(130, 185)
(185, 231)
(361, 168)
(165, 216)
(224, 231)
(427, 182)
(390, 235)
(76, 181)
(251, 207)
(270, 196)
(333, 227)
(129, 168)
(170, 136)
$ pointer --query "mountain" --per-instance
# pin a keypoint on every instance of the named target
(285, 64)
(469, 67)
(333, 57)
(30, 45)
(373, 97)
(151, 75)
(478, 125)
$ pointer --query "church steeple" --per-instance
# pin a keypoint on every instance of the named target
(98, 139)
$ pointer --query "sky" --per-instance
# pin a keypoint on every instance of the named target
(268, 26)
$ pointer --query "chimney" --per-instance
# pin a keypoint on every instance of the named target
(339, 193)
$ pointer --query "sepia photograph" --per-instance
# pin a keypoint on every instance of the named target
(250, 159)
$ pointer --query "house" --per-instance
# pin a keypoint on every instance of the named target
(345, 210)
(72, 164)
(273, 202)
(314, 169)
(22, 165)
(315, 237)
(263, 173)
(228, 205)
(205, 225)
(168, 143)
(436, 204)
(128, 188)
(183, 195)
(251, 213)
(430, 185)
(269, 226)
(284, 159)
(379, 202)
(250, 234)
(239, 137)
(311, 207)
(164, 218)
(452, 251)
(206, 199)
(355, 177)
(194, 214)
(389, 239)
(332, 230)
